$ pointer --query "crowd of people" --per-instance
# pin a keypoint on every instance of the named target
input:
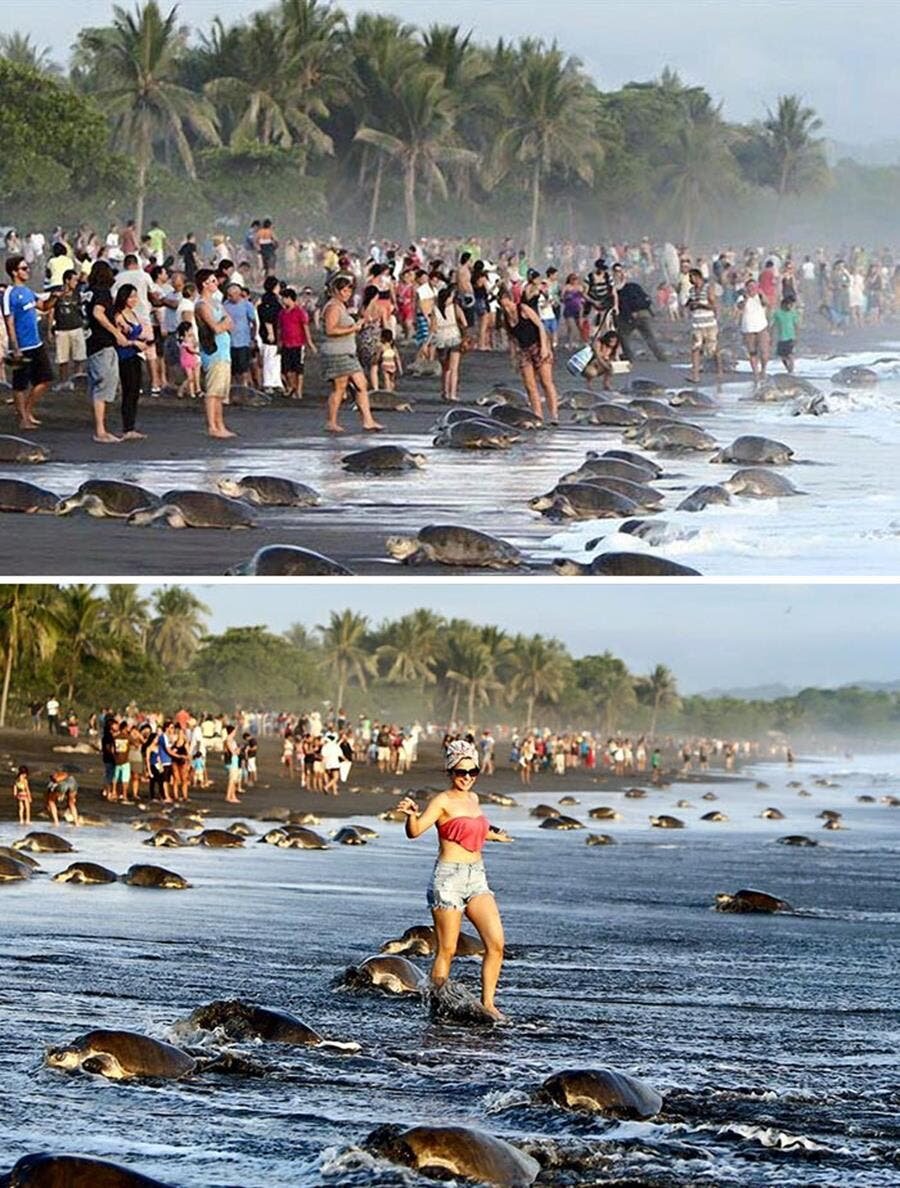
(142, 314)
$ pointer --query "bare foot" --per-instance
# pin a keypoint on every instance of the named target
(30, 424)
(106, 438)
(221, 433)
(373, 427)
(133, 435)
(334, 429)
(496, 1014)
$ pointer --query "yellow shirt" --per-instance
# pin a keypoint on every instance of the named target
(56, 267)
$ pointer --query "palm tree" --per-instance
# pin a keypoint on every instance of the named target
(471, 669)
(78, 619)
(410, 648)
(20, 50)
(609, 684)
(344, 654)
(136, 63)
(421, 140)
(126, 618)
(383, 51)
(796, 159)
(660, 690)
(540, 670)
(254, 86)
(699, 173)
(313, 35)
(177, 627)
(550, 123)
(27, 629)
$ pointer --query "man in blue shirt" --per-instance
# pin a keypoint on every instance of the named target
(31, 370)
(243, 331)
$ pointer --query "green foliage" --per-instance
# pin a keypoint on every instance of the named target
(251, 666)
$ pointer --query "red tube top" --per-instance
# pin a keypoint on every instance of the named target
(468, 832)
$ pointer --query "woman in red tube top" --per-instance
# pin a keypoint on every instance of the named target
(459, 883)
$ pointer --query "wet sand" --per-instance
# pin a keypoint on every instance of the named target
(367, 791)
(487, 490)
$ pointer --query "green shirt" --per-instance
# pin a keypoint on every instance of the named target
(157, 238)
(785, 321)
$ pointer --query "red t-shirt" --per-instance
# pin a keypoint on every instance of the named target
(292, 324)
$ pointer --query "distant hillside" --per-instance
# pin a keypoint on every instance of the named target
(773, 692)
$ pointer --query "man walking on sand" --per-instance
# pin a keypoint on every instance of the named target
(214, 334)
(31, 370)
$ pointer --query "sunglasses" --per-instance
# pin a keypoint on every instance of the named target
(465, 772)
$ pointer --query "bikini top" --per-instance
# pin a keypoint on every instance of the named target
(468, 832)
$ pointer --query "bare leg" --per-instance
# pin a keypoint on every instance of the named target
(482, 911)
(335, 397)
(447, 923)
(545, 374)
(362, 403)
(534, 397)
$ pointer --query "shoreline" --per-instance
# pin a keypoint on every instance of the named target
(356, 514)
(374, 793)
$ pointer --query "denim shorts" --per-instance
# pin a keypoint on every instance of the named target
(453, 884)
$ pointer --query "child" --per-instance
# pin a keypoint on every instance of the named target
(294, 339)
(189, 357)
(389, 361)
(785, 320)
(250, 750)
(22, 794)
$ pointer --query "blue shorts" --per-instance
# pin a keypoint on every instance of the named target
(421, 329)
(454, 884)
(121, 773)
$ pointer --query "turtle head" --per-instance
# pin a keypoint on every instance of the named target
(723, 899)
(566, 567)
(65, 1057)
(401, 547)
(67, 505)
(541, 502)
(245, 569)
(228, 486)
(419, 460)
(146, 515)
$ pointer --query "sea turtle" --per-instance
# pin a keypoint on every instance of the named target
(645, 497)
(584, 501)
(758, 483)
(812, 406)
(348, 836)
(195, 509)
(43, 1170)
(108, 498)
(19, 449)
(476, 435)
(599, 839)
(542, 811)
(623, 565)
(382, 459)
(797, 839)
(672, 438)
(267, 490)
(664, 821)
(460, 1153)
(86, 872)
(515, 417)
(453, 544)
(19, 496)
(754, 451)
(216, 839)
(506, 393)
(281, 560)
(612, 468)
(561, 823)
(44, 843)
(295, 837)
(241, 829)
(386, 971)
(628, 456)
(616, 416)
(165, 838)
(855, 377)
(421, 941)
(772, 814)
(716, 816)
(750, 901)
(603, 1091)
(145, 875)
(695, 399)
(240, 1020)
(121, 1056)
(640, 386)
(20, 856)
(604, 812)
(381, 400)
(654, 410)
(242, 396)
(12, 870)
(706, 496)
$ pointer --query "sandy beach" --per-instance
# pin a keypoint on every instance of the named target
(367, 791)
(487, 490)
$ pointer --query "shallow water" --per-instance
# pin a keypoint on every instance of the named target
(774, 1039)
(847, 522)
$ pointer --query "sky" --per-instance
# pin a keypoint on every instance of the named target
(839, 54)
(718, 636)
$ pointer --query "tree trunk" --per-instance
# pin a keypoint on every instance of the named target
(454, 709)
(376, 196)
(530, 721)
(342, 681)
(141, 192)
(654, 716)
(409, 197)
(7, 674)
(535, 210)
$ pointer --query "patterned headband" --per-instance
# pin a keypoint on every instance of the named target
(458, 750)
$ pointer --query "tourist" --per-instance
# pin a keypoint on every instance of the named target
(785, 320)
(189, 360)
(573, 302)
(22, 795)
(232, 766)
(68, 328)
(267, 312)
(293, 338)
(448, 329)
(188, 254)
(214, 337)
(601, 297)
(104, 337)
(459, 884)
(606, 352)
(122, 765)
(340, 363)
(243, 330)
(755, 327)
(390, 365)
(62, 784)
(137, 338)
(27, 354)
(267, 246)
(534, 354)
(52, 710)
(698, 299)
(635, 315)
